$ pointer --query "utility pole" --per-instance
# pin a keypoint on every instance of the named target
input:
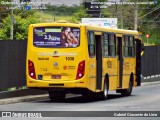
(122, 14)
(12, 22)
(11, 27)
(136, 16)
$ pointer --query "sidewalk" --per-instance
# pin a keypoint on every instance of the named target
(150, 83)
(45, 96)
(23, 99)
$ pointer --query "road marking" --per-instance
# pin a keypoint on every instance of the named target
(134, 107)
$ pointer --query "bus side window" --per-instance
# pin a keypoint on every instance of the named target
(125, 46)
(105, 44)
(112, 45)
(91, 44)
(131, 47)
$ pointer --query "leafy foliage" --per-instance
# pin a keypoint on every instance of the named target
(81, 13)
(20, 27)
(61, 10)
(148, 18)
(3, 11)
(149, 23)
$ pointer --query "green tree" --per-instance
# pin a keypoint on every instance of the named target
(20, 27)
(3, 11)
(148, 18)
(149, 23)
(81, 13)
(24, 13)
(61, 10)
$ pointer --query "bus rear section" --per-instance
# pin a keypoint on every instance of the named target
(54, 62)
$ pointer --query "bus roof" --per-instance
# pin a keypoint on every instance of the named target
(88, 27)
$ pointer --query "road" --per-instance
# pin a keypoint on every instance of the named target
(144, 98)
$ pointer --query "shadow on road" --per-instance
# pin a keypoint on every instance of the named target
(81, 99)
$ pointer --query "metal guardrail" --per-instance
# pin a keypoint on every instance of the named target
(151, 61)
(12, 63)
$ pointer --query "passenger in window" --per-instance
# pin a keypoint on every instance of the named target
(67, 37)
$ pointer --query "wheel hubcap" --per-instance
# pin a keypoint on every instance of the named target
(105, 90)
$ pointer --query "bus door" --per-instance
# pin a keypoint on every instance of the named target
(138, 61)
(98, 61)
(95, 60)
(120, 62)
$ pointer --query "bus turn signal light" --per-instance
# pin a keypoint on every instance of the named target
(80, 70)
(31, 69)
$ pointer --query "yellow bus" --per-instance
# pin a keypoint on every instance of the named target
(75, 58)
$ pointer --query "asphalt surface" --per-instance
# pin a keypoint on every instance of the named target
(45, 96)
(144, 98)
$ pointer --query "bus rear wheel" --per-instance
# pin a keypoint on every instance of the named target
(104, 94)
(127, 92)
(56, 95)
(89, 95)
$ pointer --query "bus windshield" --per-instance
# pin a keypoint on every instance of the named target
(56, 37)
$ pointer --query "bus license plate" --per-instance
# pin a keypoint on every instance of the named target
(56, 76)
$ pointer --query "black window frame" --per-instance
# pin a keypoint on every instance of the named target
(91, 44)
(109, 46)
(128, 48)
(112, 45)
(105, 46)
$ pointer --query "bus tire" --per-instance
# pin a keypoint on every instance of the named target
(89, 95)
(56, 95)
(127, 92)
(104, 93)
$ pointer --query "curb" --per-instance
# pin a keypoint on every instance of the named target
(23, 99)
(45, 96)
(150, 83)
